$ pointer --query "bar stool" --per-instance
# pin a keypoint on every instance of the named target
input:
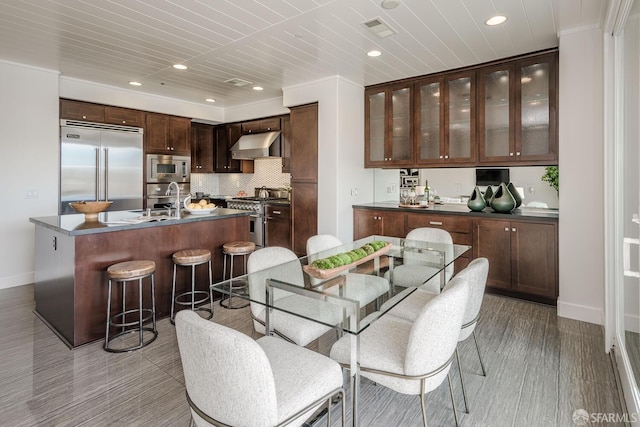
(191, 258)
(233, 249)
(124, 272)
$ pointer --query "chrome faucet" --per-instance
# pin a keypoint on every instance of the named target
(177, 204)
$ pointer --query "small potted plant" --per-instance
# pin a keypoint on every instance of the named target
(551, 177)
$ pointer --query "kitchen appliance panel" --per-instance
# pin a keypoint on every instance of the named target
(100, 162)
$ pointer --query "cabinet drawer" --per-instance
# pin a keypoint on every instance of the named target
(85, 111)
(453, 224)
(278, 211)
(123, 116)
(263, 125)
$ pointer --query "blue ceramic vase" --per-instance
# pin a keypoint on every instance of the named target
(503, 201)
(476, 201)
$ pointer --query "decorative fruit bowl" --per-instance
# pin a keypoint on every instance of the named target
(200, 208)
(91, 209)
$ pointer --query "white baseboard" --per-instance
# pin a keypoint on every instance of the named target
(632, 323)
(16, 280)
(580, 312)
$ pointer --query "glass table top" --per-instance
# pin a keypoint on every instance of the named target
(345, 297)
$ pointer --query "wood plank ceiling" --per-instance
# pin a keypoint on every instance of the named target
(272, 43)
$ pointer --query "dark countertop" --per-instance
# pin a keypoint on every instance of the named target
(462, 209)
(75, 225)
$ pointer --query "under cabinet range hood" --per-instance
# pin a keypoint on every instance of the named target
(253, 146)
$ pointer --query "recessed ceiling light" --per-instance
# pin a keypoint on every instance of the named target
(374, 53)
(210, 100)
(390, 4)
(495, 20)
(132, 83)
(179, 66)
(257, 88)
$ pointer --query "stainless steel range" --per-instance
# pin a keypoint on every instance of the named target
(256, 223)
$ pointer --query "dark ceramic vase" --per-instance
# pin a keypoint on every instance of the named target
(503, 201)
(515, 193)
(476, 201)
(488, 194)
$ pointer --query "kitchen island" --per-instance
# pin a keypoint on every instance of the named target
(522, 247)
(72, 256)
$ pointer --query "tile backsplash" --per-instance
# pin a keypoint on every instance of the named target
(267, 172)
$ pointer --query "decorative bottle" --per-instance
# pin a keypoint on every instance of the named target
(426, 190)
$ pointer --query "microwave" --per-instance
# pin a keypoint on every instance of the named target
(168, 168)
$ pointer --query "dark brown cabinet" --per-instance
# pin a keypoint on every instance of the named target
(499, 113)
(285, 144)
(167, 134)
(517, 111)
(98, 113)
(277, 230)
(389, 125)
(261, 125)
(123, 116)
(523, 256)
(385, 223)
(224, 138)
(304, 175)
(201, 148)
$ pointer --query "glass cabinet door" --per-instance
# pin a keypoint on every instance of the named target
(536, 137)
(401, 144)
(460, 121)
(496, 112)
(429, 129)
(375, 130)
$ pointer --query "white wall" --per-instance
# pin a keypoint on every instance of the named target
(340, 150)
(30, 147)
(581, 223)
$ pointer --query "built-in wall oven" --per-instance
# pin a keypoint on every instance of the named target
(168, 168)
(159, 195)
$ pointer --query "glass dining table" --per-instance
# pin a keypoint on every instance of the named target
(317, 290)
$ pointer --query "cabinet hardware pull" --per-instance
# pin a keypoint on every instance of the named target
(446, 157)
(511, 154)
(517, 153)
(276, 212)
(435, 222)
(441, 157)
(514, 229)
(506, 229)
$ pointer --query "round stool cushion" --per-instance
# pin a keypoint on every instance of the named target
(238, 248)
(191, 256)
(129, 270)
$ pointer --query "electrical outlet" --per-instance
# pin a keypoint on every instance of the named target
(531, 188)
(237, 184)
(354, 191)
(32, 194)
(393, 188)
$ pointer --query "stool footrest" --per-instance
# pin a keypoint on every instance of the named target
(124, 323)
(131, 331)
(189, 293)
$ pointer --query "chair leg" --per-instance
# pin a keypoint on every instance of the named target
(453, 400)
(422, 405)
(210, 290)
(329, 412)
(464, 390)
(484, 373)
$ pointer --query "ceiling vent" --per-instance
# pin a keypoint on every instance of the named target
(378, 27)
(237, 82)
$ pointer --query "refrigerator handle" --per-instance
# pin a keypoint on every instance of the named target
(97, 172)
(106, 174)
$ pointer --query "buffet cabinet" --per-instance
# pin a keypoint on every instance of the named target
(498, 113)
(522, 253)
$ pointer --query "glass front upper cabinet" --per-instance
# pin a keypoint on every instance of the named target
(460, 124)
(496, 112)
(388, 126)
(430, 121)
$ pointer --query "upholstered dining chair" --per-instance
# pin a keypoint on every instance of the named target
(412, 272)
(364, 288)
(412, 357)
(232, 380)
(288, 326)
(476, 275)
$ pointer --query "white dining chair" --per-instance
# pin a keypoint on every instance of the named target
(412, 357)
(233, 380)
(288, 326)
(409, 308)
(412, 272)
(364, 288)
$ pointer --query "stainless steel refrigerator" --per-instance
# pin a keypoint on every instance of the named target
(100, 162)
